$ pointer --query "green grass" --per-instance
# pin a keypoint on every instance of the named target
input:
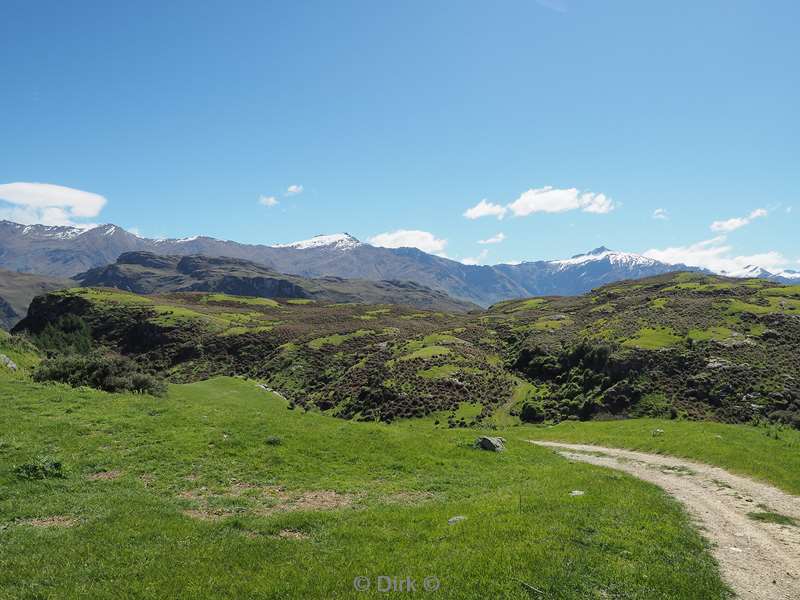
(299, 301)
(775, 304)
(531, 304)
(24, 354)
(550, 324)
(653, 338)
(751, 451)
(710, 334)
(206, 447)
(427, 352)
(441, 372)
(772, 517)
(102, 295)
(789, 291)
(246, 300)
(701, 287)
(338, 339)
(659, 303)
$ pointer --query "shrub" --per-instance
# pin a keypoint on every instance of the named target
(68, 334)
(43, 467)
(531, 413)
(110, 373)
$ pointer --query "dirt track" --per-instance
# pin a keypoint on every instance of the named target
(758, 560)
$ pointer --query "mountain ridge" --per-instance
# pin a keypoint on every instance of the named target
(67, 251)
(149, 273)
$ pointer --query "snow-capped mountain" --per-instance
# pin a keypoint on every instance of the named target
(338, 241)
(67, 251)
(622, 259)
(754, 271)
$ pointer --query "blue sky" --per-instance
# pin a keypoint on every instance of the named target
(573, 120)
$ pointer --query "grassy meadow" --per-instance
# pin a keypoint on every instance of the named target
(218, 490)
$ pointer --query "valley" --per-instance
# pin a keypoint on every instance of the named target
(177, 433)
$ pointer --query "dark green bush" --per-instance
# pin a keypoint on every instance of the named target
(110, 373)
(43, 467)
(531, 413)
(69, 334)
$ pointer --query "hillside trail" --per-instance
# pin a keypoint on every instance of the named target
(758, 560)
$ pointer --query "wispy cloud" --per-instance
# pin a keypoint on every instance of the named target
(48, 204)
(556, 5)
(268, 201)
(735, 223)
(294, 190)
(485, 208)
(477, 260)
(495, 239)
(410, 238)
(661, 213)
(716, 254)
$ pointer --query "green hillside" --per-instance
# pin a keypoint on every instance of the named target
(218, 491)
(681, 345)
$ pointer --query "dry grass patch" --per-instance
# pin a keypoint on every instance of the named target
(54, 521)
(292, 534)
(408, 498)
(104, 475)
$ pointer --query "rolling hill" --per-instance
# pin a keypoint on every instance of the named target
(677, 345)
(147, 273)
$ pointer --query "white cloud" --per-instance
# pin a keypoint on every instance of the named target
(268, 200)
(294, 189)
(476, 260)
(48, 204)
(548, 200)
(788, 209)
(553, 200)
(660, 213)
(495, 239)
(485, 209)
(718, 256)
(556, 5)
(410, 238)
(735, 223)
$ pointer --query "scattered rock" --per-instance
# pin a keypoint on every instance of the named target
(577, 493)
(493, 444)
(7, 362)
(718, 363)
(456, 519)
(266, 388)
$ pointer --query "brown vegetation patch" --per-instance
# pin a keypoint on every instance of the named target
(206, 514)
(320, 500)
(104, 475)
(292, 534)
(408, 498)
(54, 521)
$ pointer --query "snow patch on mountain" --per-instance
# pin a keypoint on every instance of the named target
(621, 259)
(339, 241)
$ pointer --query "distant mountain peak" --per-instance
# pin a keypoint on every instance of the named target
(340, 241)
(626, 259)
